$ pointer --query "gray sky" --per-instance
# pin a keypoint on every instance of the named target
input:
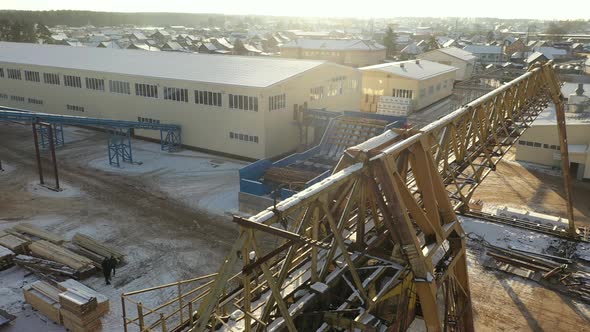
(568, 9)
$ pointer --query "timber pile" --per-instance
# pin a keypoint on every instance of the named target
(88, 244)
(296, 177)
(38, 232)
(50, 251)
(43, 266)
(72, 304)
(14, 243)
(6, 258)
(43, 303)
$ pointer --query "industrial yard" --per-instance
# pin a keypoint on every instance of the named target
(161, 215)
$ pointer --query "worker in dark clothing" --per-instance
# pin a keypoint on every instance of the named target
(106, 270)
(113, 263)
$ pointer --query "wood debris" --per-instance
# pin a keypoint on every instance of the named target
(43, 266)
(50, 251)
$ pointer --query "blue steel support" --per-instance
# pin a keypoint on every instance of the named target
(119, 146)
(170, 139)
(58, 135)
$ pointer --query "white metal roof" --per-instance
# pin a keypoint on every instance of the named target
(230, 70)
(335, 44)
(415, 69)
(456, 52)
(483, 49)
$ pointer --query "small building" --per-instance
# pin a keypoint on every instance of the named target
(241, 48)
(486, 54)
(161, 36)
(510, 47)
(400, 88)
(535, 57)
(207, 48)
(172, 46)
(350, 52)
(451, 56)
(108, 44)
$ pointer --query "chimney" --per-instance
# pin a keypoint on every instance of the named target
(417, 61)
(401, 65)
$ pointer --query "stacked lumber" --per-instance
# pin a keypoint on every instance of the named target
(46, 289)
(43, 303)
(77, 303)
(101, 300)
(50, 251)
(79, 311)
(93, 248)
(38, 232)
(6, 258)
(14, 243)
(43, 266)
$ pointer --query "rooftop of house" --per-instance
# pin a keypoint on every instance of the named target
(335, 44)
(483, 49)
(456, 53)
(414, 69)
(229, 70)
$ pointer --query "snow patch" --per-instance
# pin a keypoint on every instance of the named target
(66, 191)
(6, 168)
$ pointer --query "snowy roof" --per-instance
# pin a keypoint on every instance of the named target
(173, 46)
(335, 44)
(231, 70)
(456, 53)
(483, 49)
(412, 49)
(415, 69)
(551, 52)
(534, 57)
(549, 118)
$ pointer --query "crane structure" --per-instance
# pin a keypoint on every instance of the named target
(378, 243)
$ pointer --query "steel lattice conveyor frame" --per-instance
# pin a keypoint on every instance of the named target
(118, 145)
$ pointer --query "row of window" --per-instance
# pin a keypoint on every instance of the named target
(13, 74)
(95, 83)
(35, 101)
(146, 90)
(119, 87)
(17, 98)
(243, 137)
(75, 108)
(208, 98)
(147, 120)
(22, 99)
(176, 94)
(402, 93)
(72, 81)
(538, 145)
(32, 76)
(277, 102)
(316, 93)
(243, 102)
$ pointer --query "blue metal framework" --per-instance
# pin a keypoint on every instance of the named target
(58, 135)
(119, 144)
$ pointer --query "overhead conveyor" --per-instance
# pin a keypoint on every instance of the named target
(119, 144)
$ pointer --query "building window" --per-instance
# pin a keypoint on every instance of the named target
(146, 90)
(176, 94)
(402, 93)
(521, 143)
(208, 98)
(277, 102)
(537, 145)
(119, 87)
(75, 108)
(32, 76)
(243, 102)
(51, 78)
(243, 137)
(95, 83)
(14, 74)
(1, 72)
(316, 93)
(3, 96)
(147, 120)
(35, 101)
(529, 143)
(554, 147)
(72, 81)
(17, 98)
(545, 146)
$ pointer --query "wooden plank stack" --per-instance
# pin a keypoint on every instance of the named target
(71, 304)
(6, 258)
(50, 251)
(42, 301)
(43, 266)
(38, 232)
(14, 243)
(88, 244)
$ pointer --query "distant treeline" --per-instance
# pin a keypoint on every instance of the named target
(81, 18)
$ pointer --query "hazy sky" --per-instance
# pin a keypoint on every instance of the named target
(568, 9)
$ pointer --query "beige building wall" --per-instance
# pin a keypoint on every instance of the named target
(424, 92)
(203, 126)
(464, 68)
(348, 58)
(540, 145)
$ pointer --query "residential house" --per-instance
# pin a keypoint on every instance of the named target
(451, 56)
(486, 54)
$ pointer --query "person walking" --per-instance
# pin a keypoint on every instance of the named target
(106, 270)
(113, 263)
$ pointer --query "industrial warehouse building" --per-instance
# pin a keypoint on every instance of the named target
(242, 106)
(540, 144)
(350, 52)
(400, 88)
